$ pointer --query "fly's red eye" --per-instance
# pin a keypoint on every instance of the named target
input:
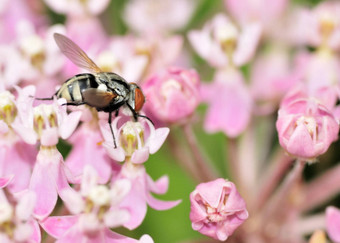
(139, 99)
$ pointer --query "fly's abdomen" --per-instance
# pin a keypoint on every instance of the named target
(73, 88)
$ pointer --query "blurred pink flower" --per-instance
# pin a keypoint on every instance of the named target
(320, 73)
(39, 52)
(119, 56)
(160, 51)
(333, 223)
(16, 221)
(139, 196)
(271, 77)
(87, 149)
(135, 140)
(78, 8)
(306, 128)
(263, 11)
(229, 101)
(173, 94)
(16, 157)
(161, 17)
(217, 209)
(221, 43)
(96, 209)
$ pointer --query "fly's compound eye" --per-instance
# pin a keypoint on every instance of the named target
(139, 99)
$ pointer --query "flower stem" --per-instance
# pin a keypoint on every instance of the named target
(321, 188)
(279, 165)
(280, 197)
(205, 170)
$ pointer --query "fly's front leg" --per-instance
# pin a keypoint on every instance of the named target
(113, 135)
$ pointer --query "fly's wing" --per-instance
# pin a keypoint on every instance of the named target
(97, 98)
(75, 53)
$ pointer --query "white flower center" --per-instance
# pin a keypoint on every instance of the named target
(168, 86)
(310, 124)
(100, 195)
(107, 61)
(32, 45)
(131, 128)
(8, 110)
(6, 212)
(226, 33)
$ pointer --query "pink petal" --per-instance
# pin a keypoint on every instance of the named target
(50, 137)
(117, 154)
(25, 205)
(4, 181)
(69, 124)
(112, 237)
(161, 205)
(333, 223)
(154, 143)
(43, 184)
(160, 186)
(247, 43)
(57, 226)
(140, 155)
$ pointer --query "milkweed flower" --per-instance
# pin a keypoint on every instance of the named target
(95, 208)
(139, 197)
(16, 222)
(333, 223)
(217, 209)
(230, 103)
(135, 140)
(306, 128)
(45, 124)
(172, 94)
(221, 43)
(16, 157)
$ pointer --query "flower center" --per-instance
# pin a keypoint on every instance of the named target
(310, 123)
(108, 62)
(8, 110)
(33, 47)
(132, 137)
(327, 24)
(44, 117)
(227, 36)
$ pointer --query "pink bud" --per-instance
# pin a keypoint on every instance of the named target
(172, 95)
(217, 209)
(306, 128)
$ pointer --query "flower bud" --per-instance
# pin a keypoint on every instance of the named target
(217, 209)
(306, 128)
(172, 95)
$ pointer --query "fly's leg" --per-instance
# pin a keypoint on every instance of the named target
(113, 136)
(136, 115)
(117, 113)
(74, 104)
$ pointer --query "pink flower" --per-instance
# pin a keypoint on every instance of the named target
(88, 150)
(217, 209)
(16, 221)
(333, 223)
(96, 208)
(271, 77)
(173, 94)
(152, 16)
(46, 123)
(78, 8)
(16, 157)
(306, 128)
(139, 196)
(221, 43)
(264, 11)
(229, 102)
(135, 140)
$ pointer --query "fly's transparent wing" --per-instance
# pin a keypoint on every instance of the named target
(97, 98)
(73, 52)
